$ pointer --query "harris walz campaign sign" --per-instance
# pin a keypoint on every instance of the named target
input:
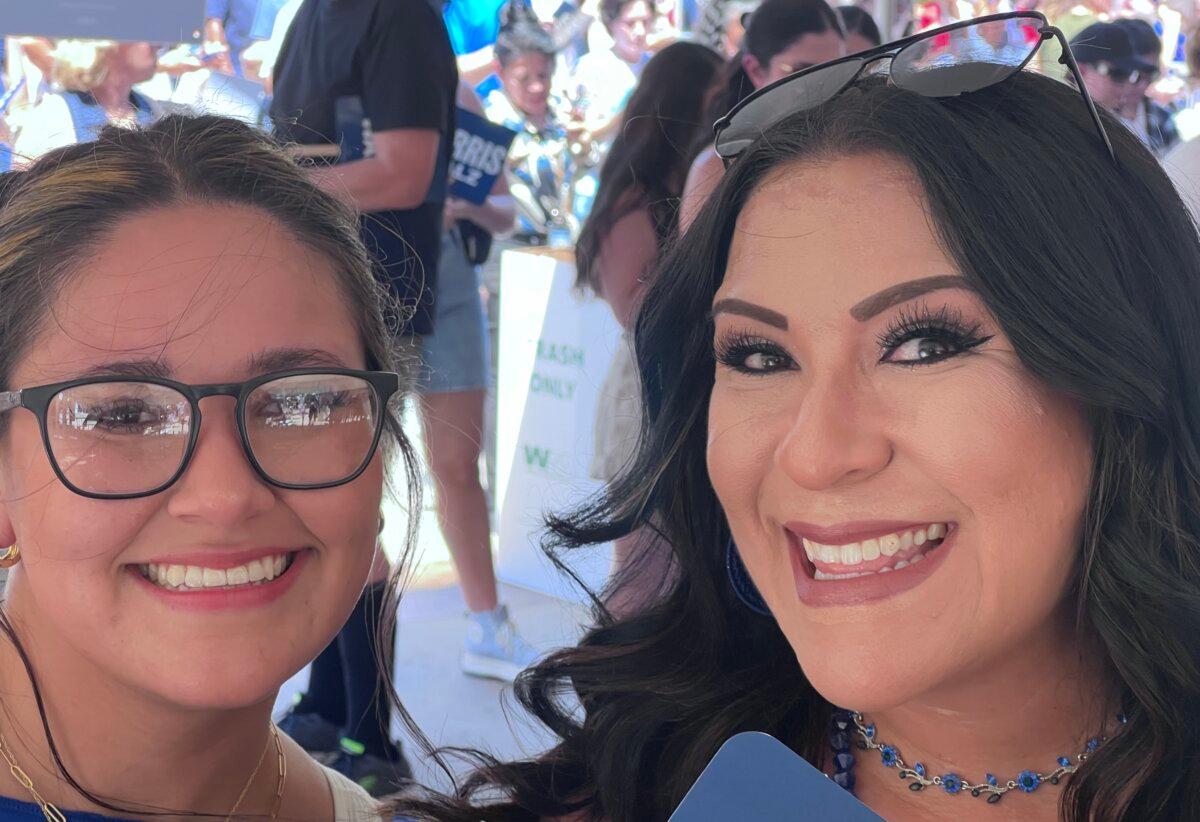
(480, 147)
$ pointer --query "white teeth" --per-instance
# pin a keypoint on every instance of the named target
(854, 553)
(193, 577)
(256, 571)
(871, 549)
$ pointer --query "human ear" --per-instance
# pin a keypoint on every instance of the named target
(754, 70)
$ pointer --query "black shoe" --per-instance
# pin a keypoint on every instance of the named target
(374, 774)
(312, 732)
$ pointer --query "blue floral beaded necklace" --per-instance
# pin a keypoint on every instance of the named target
(846, 725)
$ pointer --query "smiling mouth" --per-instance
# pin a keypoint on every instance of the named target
(190, 578)
(879, 555)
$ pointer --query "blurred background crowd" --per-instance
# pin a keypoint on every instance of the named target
(612, 104)
(557, 71)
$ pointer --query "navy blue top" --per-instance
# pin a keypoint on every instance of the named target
(12, 809)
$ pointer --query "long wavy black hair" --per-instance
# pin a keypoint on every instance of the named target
(1092, 269)
(648, 162)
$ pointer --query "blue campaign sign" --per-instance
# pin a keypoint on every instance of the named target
(480, 148)
(755, 776)
(155, 21)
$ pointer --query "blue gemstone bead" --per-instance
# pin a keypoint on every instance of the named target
(839, 741)
(871, 731)
(846, 780)
(1093, 744)
(888, 754)
(1028, 781)
(844, 761)
(951, 783)
(1122, 718)
(1062, 760)
(991, 779)
(920, 769)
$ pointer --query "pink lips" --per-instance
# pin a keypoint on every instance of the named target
(863, 589)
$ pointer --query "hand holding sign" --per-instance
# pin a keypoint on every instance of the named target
(480, 148)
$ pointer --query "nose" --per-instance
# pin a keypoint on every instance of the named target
(836, 437)
(219, 485)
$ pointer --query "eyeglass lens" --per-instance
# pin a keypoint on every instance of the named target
(117, 438)
(966, 59)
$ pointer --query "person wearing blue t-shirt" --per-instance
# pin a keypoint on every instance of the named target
(232, 25)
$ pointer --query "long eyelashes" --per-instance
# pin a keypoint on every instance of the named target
(944, 327)
(938, 335)
(750, 354)
(916, 321)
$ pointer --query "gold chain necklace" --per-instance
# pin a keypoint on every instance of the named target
(53, 814)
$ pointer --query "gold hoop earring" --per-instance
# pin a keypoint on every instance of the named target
(10, 557)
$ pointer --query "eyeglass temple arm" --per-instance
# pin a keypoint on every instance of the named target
(1068, 59)
(9, 400)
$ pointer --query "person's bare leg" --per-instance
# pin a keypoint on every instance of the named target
(453, 424)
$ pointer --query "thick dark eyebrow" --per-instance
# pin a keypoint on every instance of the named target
(264, 362)
(754, 312)
(283, 359)
(155, 369)
(866, 309)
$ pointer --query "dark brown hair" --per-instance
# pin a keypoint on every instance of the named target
(647, 164)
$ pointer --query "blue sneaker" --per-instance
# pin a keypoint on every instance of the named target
(494, 649)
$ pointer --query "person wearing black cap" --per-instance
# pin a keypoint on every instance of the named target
(1158, 121)
(1117, 74)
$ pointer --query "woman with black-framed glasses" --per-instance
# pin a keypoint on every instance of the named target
(196, 394)
(921, 414)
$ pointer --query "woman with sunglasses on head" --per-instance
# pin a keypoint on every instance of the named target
(167, 573)
(891, 374)
(782, 37)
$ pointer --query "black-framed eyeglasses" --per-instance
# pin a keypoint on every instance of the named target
(945, 62)
(126, 437)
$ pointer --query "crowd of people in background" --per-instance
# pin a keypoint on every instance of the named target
(612, 104)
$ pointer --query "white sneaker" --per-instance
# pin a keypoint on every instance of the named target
(494, 649)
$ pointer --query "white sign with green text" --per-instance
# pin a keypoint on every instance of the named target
(555, 350)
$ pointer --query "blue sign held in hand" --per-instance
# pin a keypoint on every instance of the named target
(480, 148)
(755, 776)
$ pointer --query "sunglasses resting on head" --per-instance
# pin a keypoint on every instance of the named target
(943, 62)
